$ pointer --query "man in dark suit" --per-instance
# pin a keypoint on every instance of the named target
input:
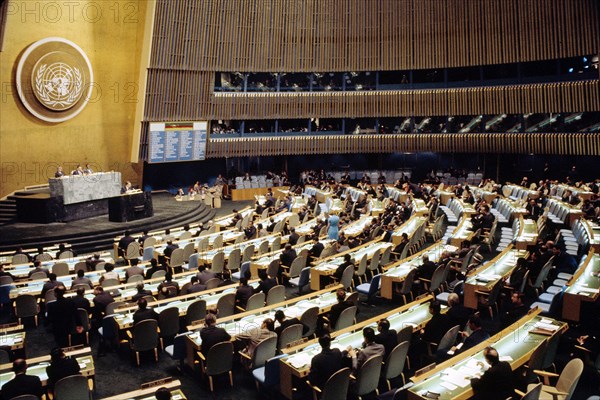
(22, 383)
(143, 238)
(497, 382)
(101, 300)
(250, 231)
(316, 250)
(325, 364)
(243, 293)
(141, 292)
(336, 309)
(484, 220)
(143, 312)
(533, 209)
(284, 322)
(426, 269)
(457, 313)
(80, 301)
(168, 285)
(386, 336)
(400, 246)
(61, 366)
(124, 242)
(477, 335)
(266, 282)
(37, 267)
(134, 269)
(288, 255)
(194, 287)
(339, 271)
(515, 310)
(153, 268)
(437, 326)
(204, 274)
(170, 248)
(51, 284)
(81, 280)
(211, 334)
(293, 238)
(91, 262)
(62, 314)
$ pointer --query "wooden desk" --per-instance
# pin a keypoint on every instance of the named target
(485, 277)
(37, 366)
(227, 220)
(398, 195)
(527, 234)
(462, 232)
(327, 267)
(357, 227)
(249, 194)
(319, 194)
(583, 286)
(21, 271)
(516, 341)
(296, 365)
(419, 207)
(263, 261)
(396, 272)
(34, 287)
(445, 196)
(124, 316)
(12, 336)
(251, 320)
(306, 228)
(409, 227)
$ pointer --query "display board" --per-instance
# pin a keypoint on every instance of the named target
(177, 141)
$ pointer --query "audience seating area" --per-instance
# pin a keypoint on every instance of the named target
(381, 282)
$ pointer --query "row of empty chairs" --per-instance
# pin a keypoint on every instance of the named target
(558, 212)
(504, 210)
(576, 238)
(518, 193)
(558, 285)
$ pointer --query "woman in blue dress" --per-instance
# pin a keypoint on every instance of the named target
(332, 230)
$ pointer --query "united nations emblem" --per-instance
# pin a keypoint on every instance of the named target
(54, 79)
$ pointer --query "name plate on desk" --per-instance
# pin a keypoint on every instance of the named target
(159, 382)
(81, 188)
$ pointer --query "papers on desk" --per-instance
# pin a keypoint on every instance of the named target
(487, 277)
(585, 290)
(327, 267)
(506, 358)
(455, 378)
(546, 326)
(450, 248)
(9, 341)
(300, 360)
(448, 385)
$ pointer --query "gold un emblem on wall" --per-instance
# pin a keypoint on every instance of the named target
(54, 79)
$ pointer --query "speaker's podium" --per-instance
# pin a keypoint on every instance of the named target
(130, 206)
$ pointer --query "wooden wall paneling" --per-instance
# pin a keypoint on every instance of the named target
(320, 35)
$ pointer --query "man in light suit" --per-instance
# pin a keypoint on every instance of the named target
(370, 349)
